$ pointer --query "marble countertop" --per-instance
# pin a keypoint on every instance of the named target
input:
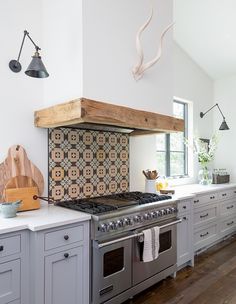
(43, 218)
(49, 216)
(195, 189)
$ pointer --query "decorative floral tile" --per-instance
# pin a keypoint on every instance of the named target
(84, 163)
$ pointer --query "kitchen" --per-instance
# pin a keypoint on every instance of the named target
(88, 48)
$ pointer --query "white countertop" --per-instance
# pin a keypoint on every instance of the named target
(181, 191)
(43, 218)
(53, 216)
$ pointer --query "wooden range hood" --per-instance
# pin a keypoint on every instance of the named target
(89, 114)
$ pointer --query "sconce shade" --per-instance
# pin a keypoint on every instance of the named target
(224, 126)
(36, 67)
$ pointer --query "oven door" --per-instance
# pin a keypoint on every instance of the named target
(111, 270)
(167, 254)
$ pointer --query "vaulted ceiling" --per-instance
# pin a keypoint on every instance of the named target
(206, 31)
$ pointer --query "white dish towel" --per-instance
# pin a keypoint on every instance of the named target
(151, 244)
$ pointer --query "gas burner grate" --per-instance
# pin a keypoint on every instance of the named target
(140, 197)
(86, 206)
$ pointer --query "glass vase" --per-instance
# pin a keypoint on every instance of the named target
(205, 176)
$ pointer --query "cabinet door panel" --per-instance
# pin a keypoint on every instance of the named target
(64, 277)
(9, 281)
(184, 240)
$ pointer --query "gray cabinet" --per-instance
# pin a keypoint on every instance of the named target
(60, 265)
(214, 217)
(9, 281)
(185, 234)
(13, 268)
(64, 277)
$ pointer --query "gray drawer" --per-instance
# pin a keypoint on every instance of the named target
(228, 207)
(205, 215)
(205, 236)
(230, 193)
(205, 199)
(10, 245)
(184, 206)
(63, 237)
(227, 225)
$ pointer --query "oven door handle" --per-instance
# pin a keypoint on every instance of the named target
(101, 245)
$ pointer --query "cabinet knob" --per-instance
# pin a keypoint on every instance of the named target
(184, 207)
(66, 255)
(66, 237)
(1, 248)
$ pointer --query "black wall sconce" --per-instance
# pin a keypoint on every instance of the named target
(223, 125)
(36, 68)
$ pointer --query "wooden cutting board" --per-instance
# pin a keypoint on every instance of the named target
(22, 188)
(18, 164)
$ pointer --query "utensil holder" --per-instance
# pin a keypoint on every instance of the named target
(150, 185)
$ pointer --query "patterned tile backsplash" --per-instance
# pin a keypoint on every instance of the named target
(84, 163)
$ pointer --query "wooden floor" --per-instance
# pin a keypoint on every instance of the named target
(212, 281)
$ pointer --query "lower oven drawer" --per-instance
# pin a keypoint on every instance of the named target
(111, 270)
(167, 256)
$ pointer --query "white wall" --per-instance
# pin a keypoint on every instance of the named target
(225, 95)
(20, 95)
(63, 41)
(109, 31)
(193, 84)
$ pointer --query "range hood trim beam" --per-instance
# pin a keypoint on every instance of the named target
(85, 111)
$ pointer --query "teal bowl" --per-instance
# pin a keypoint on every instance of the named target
(9, 210)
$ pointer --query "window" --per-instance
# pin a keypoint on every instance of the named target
(172, 154)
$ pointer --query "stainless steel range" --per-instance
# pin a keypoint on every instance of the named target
(118, 221)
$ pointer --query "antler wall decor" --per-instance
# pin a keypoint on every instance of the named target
(140, 67)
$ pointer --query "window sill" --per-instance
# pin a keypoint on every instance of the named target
(185, 180)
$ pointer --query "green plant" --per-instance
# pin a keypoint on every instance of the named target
(205, 152)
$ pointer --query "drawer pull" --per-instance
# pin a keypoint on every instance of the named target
(185, 218)
(231, 223)
(204, 234)
(205, 215)
(197, 201)
(234, 191)
(66, 237)
(212, 197)
(1, 248)
(230, 207)
(66, 255)
(224, 194)
(184, 207)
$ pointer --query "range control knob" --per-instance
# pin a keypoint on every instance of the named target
(168, 211)
(163, 212)
(112, 225)
(174, 210)
(158, 213)
(126, 221)
(153, 214)
(138, 219)
(103, 228)
(147, 216)
(118, 224)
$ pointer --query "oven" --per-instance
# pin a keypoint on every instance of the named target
(167, 253)
(111, 270)
(117, 263)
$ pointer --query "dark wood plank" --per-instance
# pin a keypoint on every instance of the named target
(213, 280)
